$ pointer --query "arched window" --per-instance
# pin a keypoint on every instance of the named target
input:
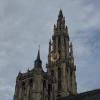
(31, 82)
(71, 77)
(59, 43)
(44, 84)
(49, 91)
(59, 78)
(58, 96)
(62, 43)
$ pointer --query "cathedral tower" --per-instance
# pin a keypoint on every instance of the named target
(61, 61)
(60, 79)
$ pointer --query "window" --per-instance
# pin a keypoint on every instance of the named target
(59, 78)
(44, 83)
(31, 82)
(59, 43)
(49, 91)
(71, 77)
(58, 96)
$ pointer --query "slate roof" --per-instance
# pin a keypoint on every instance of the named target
(90, 95)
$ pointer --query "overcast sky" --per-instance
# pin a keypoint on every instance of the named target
(25, 24)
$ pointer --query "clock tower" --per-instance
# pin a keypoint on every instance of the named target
(61, 61)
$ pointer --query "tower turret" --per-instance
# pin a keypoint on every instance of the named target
(61, 60)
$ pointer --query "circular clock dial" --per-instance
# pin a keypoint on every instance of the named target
(54, 56)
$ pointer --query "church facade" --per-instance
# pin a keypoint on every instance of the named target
(60, 79)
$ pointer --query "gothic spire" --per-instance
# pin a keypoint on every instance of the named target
(38, 55)
(38, 62)
(60, 16)
(60, 23)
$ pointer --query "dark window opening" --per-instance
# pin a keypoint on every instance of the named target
(59, 43)
(59, 78)
(49, 91)
(31, 82)
(58, 96)
(44, 83)
(71, 77)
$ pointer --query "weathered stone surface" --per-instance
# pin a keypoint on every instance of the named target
(60, 79)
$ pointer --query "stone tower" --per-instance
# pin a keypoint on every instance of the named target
(61, 61)
(60, 79)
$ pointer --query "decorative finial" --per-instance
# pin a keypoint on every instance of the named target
(46, 65)
(71, 48)
(28, 70)
(19, 71)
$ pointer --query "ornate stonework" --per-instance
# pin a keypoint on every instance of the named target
(60, 79)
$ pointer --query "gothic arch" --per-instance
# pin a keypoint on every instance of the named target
(59, 78)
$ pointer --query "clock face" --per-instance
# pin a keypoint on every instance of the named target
(54, 56)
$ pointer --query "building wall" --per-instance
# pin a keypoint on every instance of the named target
(60, 79)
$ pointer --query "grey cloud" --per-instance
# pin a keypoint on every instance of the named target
(24, 24)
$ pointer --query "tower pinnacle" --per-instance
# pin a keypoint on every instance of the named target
(38, 55)
(60, 16)
(38, 62)
(71, 49)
